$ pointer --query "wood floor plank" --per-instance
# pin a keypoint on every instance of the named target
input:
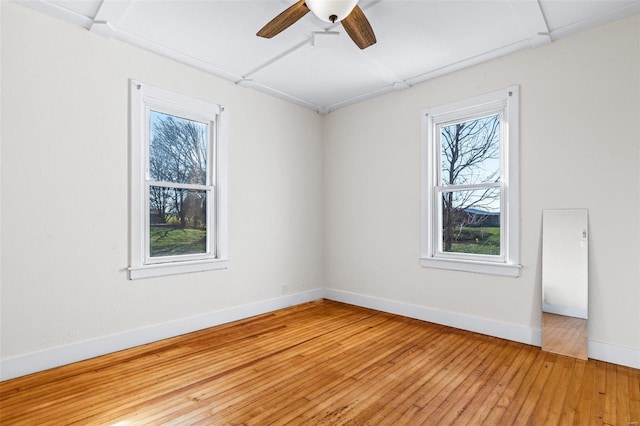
(326, 363)
(245, 397)
(261, 367)
(518, 394)
(387, 359)
(453, 354)
(494, 390)
(550, 404)
(597, 403)
(611, 383)
(537, 390)
(436, 407)
(621, 399)
(348, 354)
(476, 384)
(507, 402)
(418, 374)
(278, 391)
(634, 397)
(583, 409)
(570, 404)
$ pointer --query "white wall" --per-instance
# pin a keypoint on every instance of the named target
(313, 201)
(580, 132)
(65, 190)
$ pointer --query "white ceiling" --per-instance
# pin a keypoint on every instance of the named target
(417, 39)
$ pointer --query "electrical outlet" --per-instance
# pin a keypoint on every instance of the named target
(284, 289)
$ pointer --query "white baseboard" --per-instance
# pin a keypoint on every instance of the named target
(503, 330)
(620, 355)
(597, 350)
(50, 358)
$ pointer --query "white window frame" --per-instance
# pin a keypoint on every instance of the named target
(505, 103)
(143, 99)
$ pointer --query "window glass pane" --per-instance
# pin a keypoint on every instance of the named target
(178, 149)
(178, 221)
(471, 221)
(470, 152)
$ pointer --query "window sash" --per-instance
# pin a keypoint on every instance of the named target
(197, 116)
(211, 229)
(503, 137)
(437, 227)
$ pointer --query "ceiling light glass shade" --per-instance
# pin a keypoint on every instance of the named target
(326, 9)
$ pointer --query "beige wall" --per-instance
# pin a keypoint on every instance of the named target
(580, 110)
(65, 190)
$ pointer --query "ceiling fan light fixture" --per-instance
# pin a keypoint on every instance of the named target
(331, 10)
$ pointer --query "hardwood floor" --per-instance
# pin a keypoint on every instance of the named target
(327, 363)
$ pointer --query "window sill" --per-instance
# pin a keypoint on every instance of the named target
(175, 268)
(489, 268)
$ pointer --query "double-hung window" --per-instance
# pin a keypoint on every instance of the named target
(470, 202)
(178, 183)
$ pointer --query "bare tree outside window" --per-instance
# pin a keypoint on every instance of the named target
(178, 154)
(470, 157)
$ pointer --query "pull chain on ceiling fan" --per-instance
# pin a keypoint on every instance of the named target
(348, 12)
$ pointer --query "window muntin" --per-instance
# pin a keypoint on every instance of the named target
(470, 185)
(178, 183)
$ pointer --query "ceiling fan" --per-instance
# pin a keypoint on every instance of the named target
(346, 11)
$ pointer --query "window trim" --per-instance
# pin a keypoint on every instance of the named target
(144, 97)
(506, 102)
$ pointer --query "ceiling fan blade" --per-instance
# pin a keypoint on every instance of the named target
(284, 20)
(359, 29)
